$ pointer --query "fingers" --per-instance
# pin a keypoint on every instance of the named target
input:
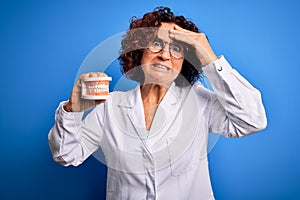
(97, 74)
(186, 33)
(181, 29)
(183, 38)
(92, 74)
(99, 101)
(182, 35)
(192, 38)
(178, 29)
(199, 41)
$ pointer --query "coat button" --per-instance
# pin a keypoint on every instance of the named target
(220, 68)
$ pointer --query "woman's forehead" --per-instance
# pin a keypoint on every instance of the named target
(167, 25)
(163, 31)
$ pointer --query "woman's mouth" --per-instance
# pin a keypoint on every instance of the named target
(161, 68)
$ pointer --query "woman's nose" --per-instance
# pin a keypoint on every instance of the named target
(165, 53)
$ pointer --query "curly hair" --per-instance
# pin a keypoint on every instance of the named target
(137, 37)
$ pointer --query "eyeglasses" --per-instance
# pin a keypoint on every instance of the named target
(176, 49)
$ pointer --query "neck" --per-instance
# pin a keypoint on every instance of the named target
(153, 93)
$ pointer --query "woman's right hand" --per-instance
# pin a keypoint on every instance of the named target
(76, 103)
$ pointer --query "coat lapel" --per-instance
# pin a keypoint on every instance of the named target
(133, 105)
(164, 116)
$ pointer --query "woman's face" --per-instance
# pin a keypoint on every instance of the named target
(161, 67)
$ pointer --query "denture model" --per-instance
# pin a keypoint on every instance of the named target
(95, 88)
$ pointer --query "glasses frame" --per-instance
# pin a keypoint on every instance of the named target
(171, 51)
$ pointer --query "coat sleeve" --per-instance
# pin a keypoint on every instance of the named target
(236, 108)
(72, 140)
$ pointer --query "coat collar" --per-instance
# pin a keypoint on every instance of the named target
(164, 116)
(133, 97)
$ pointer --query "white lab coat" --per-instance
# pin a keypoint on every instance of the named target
(169, 161)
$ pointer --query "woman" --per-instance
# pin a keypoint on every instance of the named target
(154, 137)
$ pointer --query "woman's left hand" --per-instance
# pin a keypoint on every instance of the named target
(198, 41)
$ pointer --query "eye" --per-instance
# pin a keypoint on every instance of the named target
(176, 48)
(157, 43)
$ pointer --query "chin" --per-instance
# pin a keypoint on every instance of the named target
(159, 80)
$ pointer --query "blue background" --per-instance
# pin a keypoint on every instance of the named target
(43, 43)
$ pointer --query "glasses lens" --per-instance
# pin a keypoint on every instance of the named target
(176, 49)
(156, 46)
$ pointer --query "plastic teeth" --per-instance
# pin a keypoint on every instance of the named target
(100, 86)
